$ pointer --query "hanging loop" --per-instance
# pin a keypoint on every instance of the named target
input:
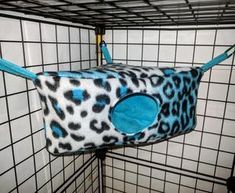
(11, 68)
(229, 52)
(104, 49)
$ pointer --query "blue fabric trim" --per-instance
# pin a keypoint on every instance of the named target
(16, 70)
(134, 113)
(106, 54)
(214, 61)
(229, 52)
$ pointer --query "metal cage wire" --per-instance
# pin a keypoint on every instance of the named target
(26, 165)
(160, 167)
(113, 13)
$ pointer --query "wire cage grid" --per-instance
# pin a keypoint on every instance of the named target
(26, 166)
(129, 12)
(168, 166)
(204, 155)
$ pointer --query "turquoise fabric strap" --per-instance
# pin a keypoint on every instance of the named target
(104, 49)
(229, 52)
(11, 68)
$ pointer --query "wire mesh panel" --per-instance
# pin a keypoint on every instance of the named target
(129, 12)
(26, 166)
(202, 160)
(84, 181)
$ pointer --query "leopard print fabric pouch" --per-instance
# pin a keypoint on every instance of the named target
(115, 104)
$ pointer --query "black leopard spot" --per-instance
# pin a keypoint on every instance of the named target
(176, 81)
(199, 78)
(191, 99)
(76, 137)
(154, 126)
(146, 68)
(129, 139)
(193, 85)
(102, 84)
(151, 137)
(175, 108)
(184, 120)
(101, 101)
(57, 108)
(75, 82)
(77, 96)
(55, 85)
(186, 81)
(104, 126)
(185, 105)
(166, 109)
(92, 72)
(70, 109)
(132, 139)
(139, 136)
(56, 151)
(122, 91)
(123, 82)
(110, 76)
(181, 95)
(83, 113)
(158, 97)
(185, 90)
(110, 139)
(143, 75)
(175, 128)
(163, 128)
(109, 114)
(99, 71)
(122, 74)
(66, 146)
(52, 73)
(136, 69)
(127, 74)
(156, 80)
(48, 142)
(168, 90)
(74, 126)
(135, 82)
(37, 83)
(194, 73)
(143, 80)
(132, 74)
(57, 130)
(192, 111)
(44, 102)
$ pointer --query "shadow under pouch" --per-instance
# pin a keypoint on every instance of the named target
(115, 104)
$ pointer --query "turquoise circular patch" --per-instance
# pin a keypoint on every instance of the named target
(134, 113)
